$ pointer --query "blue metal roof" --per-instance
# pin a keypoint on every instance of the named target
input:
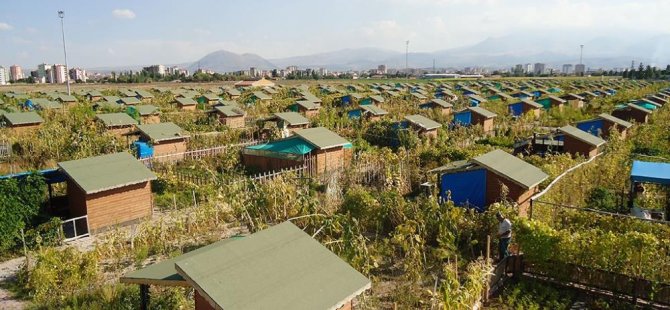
(649, 172)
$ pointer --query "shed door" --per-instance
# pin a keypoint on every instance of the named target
(516, 109)
(463, 119)
(467, 188)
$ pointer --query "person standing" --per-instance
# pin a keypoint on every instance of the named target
(504, 235)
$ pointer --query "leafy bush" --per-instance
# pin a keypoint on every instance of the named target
(20, 204)
(602, 199)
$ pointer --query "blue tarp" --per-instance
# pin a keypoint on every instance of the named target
(51, 176)
(463, 118)
(354, 114)
(516, 109)
(593, 127)
(467, 188)
(648, 172)
(144, 150)
(365, 101)
(345, 100)
(474, 103)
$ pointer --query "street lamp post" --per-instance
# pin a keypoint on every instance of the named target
(61, 14)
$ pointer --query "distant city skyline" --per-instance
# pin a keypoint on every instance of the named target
(123, 33)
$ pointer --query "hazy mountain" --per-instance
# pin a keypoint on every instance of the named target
(357, 59)
(225, 61)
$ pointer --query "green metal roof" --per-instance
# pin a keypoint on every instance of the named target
(483, 112)
(130, 100)
(640, 108)
(164, 273)
(44, 103)
(228, 110)
(162, 131)
(146, 109)
(186, 101)
(281, 267)
(321, 137)
(442, 103)
(105, 172)
(94, 93)
(210, 96)
(374, 110)
(511, 168)
(66, 98)
(144, 94)
(379, 99)
(261, 95)
(292, 118)
(419, 95)
(532, 103)
(114, 99)
(307, 104)
(423, 122)
(233, 92)
(615, 120)
(23, 118)
(116, 119)
(582, 135)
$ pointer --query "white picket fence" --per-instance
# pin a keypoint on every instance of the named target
(197, 154)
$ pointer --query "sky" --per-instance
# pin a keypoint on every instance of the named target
(131, 32)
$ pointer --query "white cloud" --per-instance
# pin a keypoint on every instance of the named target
(5, 26)
(123, 14)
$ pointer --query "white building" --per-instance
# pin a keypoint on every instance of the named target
(60, 74)
(529, 68)
(381, 69)
(15, 73)
(4, 78)
(539, 68)
(42, 73)
(567, 69)
(580, 69)
(78, 74)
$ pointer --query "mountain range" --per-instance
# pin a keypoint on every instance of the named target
(499, 52)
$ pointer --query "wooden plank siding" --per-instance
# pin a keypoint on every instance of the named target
(113, 207)
(232, 121)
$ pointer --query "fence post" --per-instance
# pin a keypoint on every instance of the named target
(488, 259)
(195, 203)
(530, 211)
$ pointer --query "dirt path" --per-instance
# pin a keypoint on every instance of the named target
(8, 270)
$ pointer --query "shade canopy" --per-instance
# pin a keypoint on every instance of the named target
(649, 172)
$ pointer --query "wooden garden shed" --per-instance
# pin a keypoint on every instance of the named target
(118, 124)
(233, 93)
(186, 104)
(290, 121)
(524, 107)
(575, 101)
(473, 116)
(552, 102)
(318, 149)
(93, 95)
(128, 101)
(209, 99)
(372, 112)
(21, 122)
(149, 114)
(485, 179)
(67, 100)
(307, 107)
(144, 95)
(165, 138)
(113, 189)
(422, 125)
(633, 113)
(230, 116)
(604, 124)
(281, 267)
(578, 142)
(444, 107)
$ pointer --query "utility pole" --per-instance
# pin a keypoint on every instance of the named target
(407, 58)
(581, 53)
(61, 14)
(434, 66)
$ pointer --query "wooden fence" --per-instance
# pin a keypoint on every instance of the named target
(592, 280)
(199, 180)
(196, 154)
